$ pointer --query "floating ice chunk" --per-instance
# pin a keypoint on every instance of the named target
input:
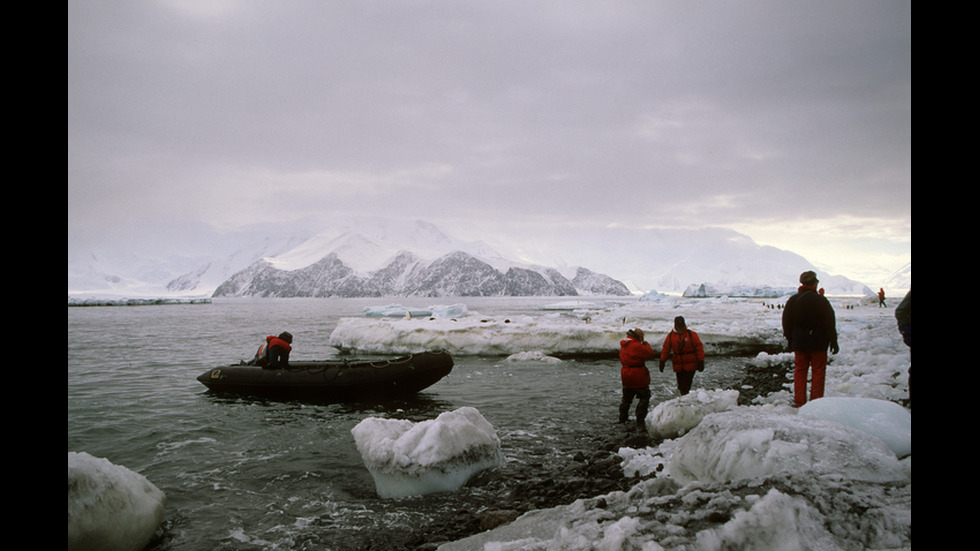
(673, 418)
(437, 455)
(750, 443)
(571, 305)
(654, 296)
(110, 508)
(449, 311)
(395, 311)
(399, 311)
(886, 420)
(533, 356)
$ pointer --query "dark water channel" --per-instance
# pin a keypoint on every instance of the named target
(242, 473)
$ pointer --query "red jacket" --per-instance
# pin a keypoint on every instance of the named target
(264, 353)
(632, 354)
(273, 340)
(684, 349)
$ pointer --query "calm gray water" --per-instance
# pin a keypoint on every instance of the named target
(255, 474)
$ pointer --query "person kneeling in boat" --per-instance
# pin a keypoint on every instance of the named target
(274, 354)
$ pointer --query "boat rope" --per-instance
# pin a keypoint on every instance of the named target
(328, 365)
(386, 363)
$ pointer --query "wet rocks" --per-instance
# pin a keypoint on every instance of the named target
(496, 517)
(762, 380)
(561, 476)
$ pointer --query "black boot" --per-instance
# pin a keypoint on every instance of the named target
(624, 411)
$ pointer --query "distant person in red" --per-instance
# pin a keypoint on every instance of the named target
(810, 326)
(686, 353)
(274, 354)
(634, 351)
(881, 298)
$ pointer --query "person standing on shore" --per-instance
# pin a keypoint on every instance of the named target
(903, 314)
(634, 351)
(810, 326)
(686, 354)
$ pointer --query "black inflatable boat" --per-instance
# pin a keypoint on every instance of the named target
(334, 380)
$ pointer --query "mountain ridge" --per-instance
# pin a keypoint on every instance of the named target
(643, 260)
(457, 273)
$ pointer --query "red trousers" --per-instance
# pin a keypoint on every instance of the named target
(803, 362)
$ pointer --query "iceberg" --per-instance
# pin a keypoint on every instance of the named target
(533, 356)
(443, 311)
(110, 508)
(396, 311)
(887, 420)
(755, 443)
(436, 455)
(673, 418)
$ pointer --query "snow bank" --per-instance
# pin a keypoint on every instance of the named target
(104, 300)
(796, 513)
(675, 417)
(406, 458)
(472, 336)
(110, 508)
(724, 324)
(776, 521)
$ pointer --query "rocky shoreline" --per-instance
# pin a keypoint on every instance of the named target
(594, 469)
(763, 380)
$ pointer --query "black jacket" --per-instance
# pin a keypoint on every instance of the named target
(809, 324)
(278, 357)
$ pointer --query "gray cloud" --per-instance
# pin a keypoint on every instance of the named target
(671, 113)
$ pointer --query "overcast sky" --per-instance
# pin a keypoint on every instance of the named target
(788, 121)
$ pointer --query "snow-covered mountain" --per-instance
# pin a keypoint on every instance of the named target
(411, 262)
(900, 278)
(454, 274)
(382, 257)
(189, 260)
(675, 260)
